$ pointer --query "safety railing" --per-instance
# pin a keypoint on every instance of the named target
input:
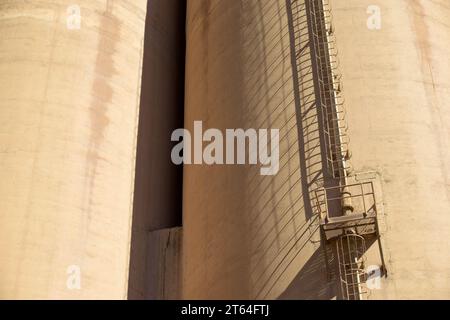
(347, 212)
(331, 101)
(350, 251)
(333, 202)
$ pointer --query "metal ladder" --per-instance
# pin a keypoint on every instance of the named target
(350, 249)
(348, 233)
(347, 211)
(331, 101)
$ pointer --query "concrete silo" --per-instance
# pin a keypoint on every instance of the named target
(356, 207)
(246, 235)
(397, 89)
(69, 97)
(289, 65)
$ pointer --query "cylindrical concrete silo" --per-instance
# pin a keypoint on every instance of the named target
(69, 95)
(247, 235)
(395, 69)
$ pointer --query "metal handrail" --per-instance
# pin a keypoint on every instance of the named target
(362, 191)
(350, 249)
(329, 89)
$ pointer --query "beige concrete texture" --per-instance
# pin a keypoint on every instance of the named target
(397, 89)
(68, 123)
(245, 235)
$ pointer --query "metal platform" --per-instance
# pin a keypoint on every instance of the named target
(348, 214)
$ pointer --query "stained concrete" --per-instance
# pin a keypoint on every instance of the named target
(397, 89)
(69, 102)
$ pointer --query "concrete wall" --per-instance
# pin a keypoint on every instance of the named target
(164, 261)
(247, 235)
(397, 89)
(68, 123)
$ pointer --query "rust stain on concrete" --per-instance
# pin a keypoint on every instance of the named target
(422, 37)
(102, 95)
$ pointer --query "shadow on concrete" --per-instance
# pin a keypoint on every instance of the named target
(284, 227)
(158, 182)
(312, 280)
(311, 283)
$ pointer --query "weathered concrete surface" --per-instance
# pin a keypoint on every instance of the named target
(68, 122)
(397, 89)
(246, 235)
(164, 264)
